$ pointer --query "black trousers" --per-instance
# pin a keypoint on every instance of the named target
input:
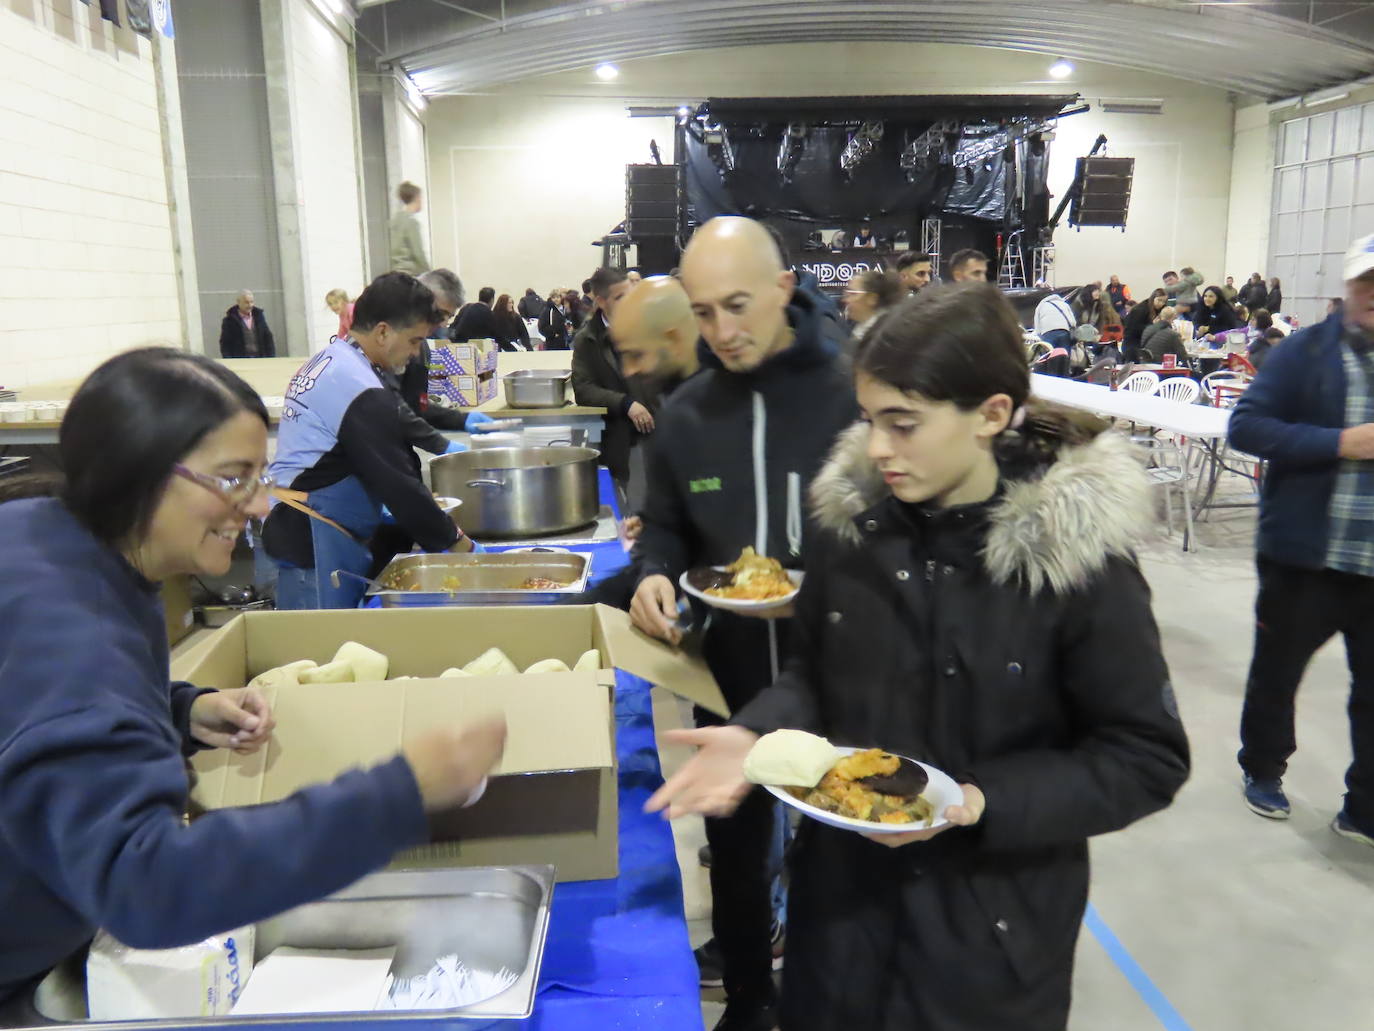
(738, 652)
(1298, 611)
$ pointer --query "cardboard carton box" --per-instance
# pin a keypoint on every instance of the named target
(467, 359)
(554, 797)
(465, 391)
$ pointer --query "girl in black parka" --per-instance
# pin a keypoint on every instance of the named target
(962, 607)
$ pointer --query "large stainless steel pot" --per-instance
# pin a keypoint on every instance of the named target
(520, 492)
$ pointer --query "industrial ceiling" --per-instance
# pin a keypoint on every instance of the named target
(1268, 49)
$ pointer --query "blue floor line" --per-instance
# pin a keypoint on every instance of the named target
(1169, 1018)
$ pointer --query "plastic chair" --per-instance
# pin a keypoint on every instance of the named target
(1184, 391)
(1239, 363)
(1223, 387)
(1169, 469)
(1140, 383)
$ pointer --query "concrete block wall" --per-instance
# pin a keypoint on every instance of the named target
(86, 259)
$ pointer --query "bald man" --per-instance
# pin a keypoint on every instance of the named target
(655, 334)
(729, 464)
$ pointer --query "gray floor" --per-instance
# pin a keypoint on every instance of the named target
(1240, 923)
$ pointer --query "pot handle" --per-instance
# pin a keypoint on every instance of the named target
(486, 483)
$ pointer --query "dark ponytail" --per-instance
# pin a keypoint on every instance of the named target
(132, 419)
(962, 343)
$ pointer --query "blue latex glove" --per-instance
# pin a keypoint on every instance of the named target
(475, 420)
(387, 517)
(477, 548)
(454, 448)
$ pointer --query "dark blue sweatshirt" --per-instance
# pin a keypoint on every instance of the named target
(93, 782)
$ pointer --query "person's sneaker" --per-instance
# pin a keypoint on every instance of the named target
(1346, 829)
(747, 1018)
(1266, 798)
(704, 856)
(710, 966)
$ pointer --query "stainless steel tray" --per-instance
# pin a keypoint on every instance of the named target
(483, 579)
(490, 917)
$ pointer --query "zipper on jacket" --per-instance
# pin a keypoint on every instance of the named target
(761, 511)
(760, 476)
(794, 513)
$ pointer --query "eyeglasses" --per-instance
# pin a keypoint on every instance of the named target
(237, 490)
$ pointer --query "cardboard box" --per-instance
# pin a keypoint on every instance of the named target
(176, 607)
(465, 391)
(554, 797)
(467, 359)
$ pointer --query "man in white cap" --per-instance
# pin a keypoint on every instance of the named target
(1310, 412)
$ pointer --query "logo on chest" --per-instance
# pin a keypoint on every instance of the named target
(709, 485)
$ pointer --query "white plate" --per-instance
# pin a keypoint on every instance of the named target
(740, 604)
(942, 792)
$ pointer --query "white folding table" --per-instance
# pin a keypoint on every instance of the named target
(1202, 423)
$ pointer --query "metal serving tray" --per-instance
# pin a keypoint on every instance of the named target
(483, 578)
(490, 917)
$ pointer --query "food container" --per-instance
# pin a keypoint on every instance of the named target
(520, 492)
(537, 388)
(481, 579)
(13, 411)
(489, 917)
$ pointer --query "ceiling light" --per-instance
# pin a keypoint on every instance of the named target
(1061, 69)
(607, 72)
(684, 111)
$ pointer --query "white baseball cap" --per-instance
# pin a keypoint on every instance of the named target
(1360, 258)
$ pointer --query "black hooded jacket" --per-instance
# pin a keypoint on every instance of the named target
(731, 458)
(985, 640)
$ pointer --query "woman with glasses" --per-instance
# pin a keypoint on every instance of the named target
(867, 296)
(163, 454)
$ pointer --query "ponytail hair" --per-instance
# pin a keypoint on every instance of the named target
(962, 343)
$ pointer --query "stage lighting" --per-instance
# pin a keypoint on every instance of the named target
(861, 146)
(790, 150)
(1061, 69)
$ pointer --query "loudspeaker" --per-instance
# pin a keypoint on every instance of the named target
(1105, 197)
(648, 175)
(651, 200)
(657, 255)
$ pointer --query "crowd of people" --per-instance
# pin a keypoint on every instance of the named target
(1089, 331)
(897, 455)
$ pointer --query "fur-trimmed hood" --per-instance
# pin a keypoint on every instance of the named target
(1051, 532)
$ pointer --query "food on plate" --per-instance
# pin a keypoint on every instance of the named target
(287, 674)
(790, 758)
(589, 662)
(541, 583)
(871, 785)
(549, 666)
(454, 674)
(329, 673)
(450, 583)
(492, 663)
(367, 665)
(754, 577)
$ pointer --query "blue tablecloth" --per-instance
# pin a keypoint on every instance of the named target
(618, 955)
